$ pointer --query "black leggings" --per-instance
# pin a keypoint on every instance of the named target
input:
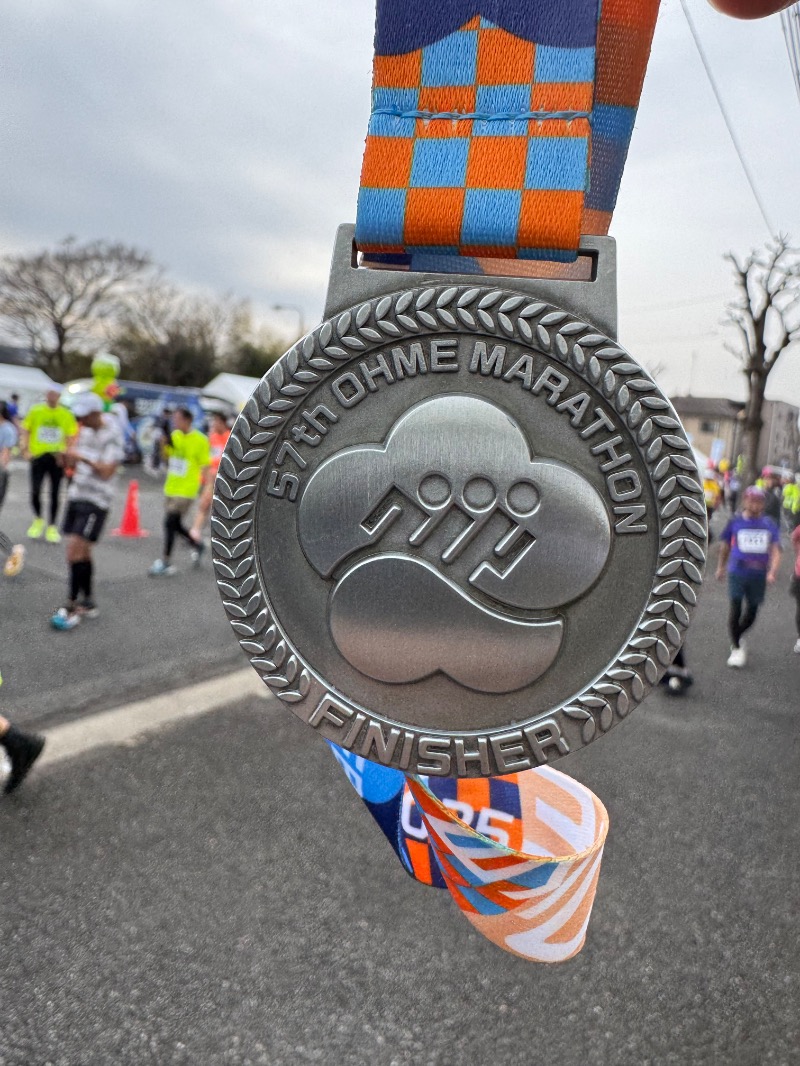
(3, 484)
(738, 622)
(173, 525)
(795, 590)
(45, 466)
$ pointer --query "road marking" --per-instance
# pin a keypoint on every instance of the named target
(129, 722)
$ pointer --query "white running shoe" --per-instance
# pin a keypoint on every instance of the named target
(161, 569)
(737, 657)
(797, 646)
(65, 619)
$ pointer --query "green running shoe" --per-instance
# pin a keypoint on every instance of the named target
(35, 529)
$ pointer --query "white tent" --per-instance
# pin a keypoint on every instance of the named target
(227, 393)
(29, 383)
(701, 459)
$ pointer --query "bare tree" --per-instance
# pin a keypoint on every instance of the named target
(58, 301)
(251, 348)
(766, 319)
(172, 338)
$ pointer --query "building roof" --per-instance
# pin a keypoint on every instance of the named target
(12, 353)
(706, 406)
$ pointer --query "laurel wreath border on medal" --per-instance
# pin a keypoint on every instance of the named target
(606, 366)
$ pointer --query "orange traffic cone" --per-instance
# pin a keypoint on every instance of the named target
(130, 526)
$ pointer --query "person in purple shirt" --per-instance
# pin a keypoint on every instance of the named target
(750, 549)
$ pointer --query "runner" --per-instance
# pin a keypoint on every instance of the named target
(217, 438)
(13, 408)
(773, 497)
(47, 430)
(677, 677)
(95, 457)
(188, 456)
(8, 441)
(734, 488)
(750, 546)
(713, 494)
(791, 501)
(22, 749)
(794, 588)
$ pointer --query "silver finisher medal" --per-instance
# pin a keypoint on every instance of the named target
(457, 528)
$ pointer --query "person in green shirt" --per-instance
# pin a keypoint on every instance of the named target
(791, 502)
(47, 430)
(188, 455)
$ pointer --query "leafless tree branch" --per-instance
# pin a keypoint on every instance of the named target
(767, 285)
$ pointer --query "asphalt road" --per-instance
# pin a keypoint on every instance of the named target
(151, 634)
(215, 894)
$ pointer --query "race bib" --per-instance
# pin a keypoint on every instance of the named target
(178, 467)
(216, 452)
(50, 435)
(753, 541)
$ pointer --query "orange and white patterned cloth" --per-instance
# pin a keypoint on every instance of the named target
(519, 854)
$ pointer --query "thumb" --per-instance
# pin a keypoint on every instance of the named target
(750, 9)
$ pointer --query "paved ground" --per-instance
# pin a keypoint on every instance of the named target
(215, 894)
(151, 634)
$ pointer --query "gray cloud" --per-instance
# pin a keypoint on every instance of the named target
(226, 138)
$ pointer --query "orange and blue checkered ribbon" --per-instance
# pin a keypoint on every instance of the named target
(499, 128)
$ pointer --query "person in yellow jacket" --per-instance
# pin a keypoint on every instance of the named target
(46, 431)
(188, 455)
(791, 502)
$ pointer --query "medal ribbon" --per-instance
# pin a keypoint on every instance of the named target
(499, 130)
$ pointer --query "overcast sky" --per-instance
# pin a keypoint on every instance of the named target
(225, 138)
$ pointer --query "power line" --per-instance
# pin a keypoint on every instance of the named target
(790, 21)
(726, 117)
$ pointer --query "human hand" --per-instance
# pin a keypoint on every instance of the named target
(771, 578)
(720, 573)
(750, 9)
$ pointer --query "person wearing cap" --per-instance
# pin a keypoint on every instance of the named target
(46, 432)
(95, 458)
(750, 549)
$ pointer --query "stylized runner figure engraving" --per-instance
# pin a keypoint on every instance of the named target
(463, 458)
